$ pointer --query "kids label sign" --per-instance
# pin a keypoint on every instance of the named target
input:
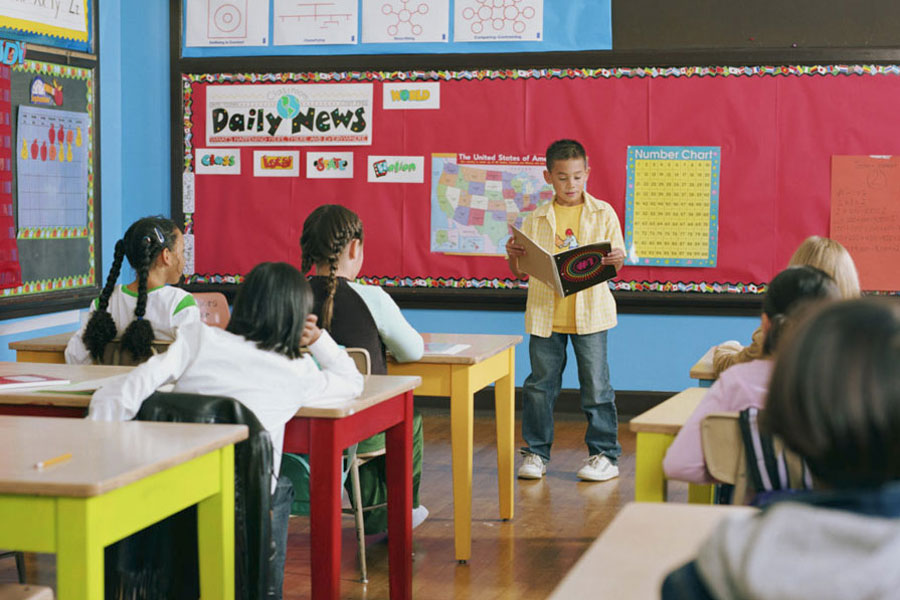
(396, 169)
(217, 161)
(276, 163)
(329, 165)
(412, 96)
(289, 115)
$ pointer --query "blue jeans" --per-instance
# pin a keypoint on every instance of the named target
(281, 513)
(598, 400)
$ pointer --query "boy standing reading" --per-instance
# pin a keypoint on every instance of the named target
(583, 317)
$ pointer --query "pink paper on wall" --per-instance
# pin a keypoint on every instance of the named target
(865, 216)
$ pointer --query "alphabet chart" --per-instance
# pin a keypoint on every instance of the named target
(672, 205)
(51, 160)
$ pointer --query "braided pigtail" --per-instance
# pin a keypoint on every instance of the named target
(100, 328)
(138, 336)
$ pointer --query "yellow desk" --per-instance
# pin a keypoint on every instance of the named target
(702, 370)
(487, 359)
(121, 478)
(655, 431)
(643, 543)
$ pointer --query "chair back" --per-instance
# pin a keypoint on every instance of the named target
(213, 308)
(175, 539)
(723, 451)
(362, 359)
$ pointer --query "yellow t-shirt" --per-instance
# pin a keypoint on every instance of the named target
(568, 219)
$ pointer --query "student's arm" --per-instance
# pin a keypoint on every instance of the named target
(121, 400)
(403, 341)
(76, 352)
(338, 379)
(684, 459)
(731, 353)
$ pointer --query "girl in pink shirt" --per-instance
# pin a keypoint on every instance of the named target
(745, 385)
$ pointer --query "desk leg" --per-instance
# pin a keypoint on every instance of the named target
(505, 409)
(215, 534)
(461, 427)
(699, 493)
(79, 555)
(398, 464)
(649, 479)
(325, 509)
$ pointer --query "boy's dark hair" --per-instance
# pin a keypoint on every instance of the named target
(326, 232)
(141, 244)
(834, 397)
(271, 307)
(564, 150)
(790, 294)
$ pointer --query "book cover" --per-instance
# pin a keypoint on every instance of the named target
(569, 271)
(25, 380)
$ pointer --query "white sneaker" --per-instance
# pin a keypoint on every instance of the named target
(419, 514)
(533, 466)
(597, 468)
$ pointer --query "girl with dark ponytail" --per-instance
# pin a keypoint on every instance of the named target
(360, 316)
(745, 385)
(147, 308)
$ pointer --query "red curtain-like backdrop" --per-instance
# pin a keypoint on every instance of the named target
(777, 129)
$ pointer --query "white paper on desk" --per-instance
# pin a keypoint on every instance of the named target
(92, 385)
(444, 348)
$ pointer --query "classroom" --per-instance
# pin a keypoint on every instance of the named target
(780, 116)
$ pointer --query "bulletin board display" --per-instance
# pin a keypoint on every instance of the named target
(776, 127)
(65, 24)
(52, 166)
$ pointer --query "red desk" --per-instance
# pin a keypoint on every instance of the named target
(322, 432)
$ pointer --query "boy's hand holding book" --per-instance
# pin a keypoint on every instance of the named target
(513, 251)
(616, 258)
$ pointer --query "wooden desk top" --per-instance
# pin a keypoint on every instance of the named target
(668, 416)
(47, 343)
(703, 368)
(480, 347)
(105, 456)
(643, 543)
(378, 388)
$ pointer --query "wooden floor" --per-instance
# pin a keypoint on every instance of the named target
(555, 521)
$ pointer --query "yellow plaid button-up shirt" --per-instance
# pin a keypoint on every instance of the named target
(595, 307)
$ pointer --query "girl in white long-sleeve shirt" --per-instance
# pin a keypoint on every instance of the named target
(256, 361)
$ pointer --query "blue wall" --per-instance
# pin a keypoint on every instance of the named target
(646, 352)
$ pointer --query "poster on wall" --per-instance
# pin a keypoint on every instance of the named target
(865, 216)
(411, 21)
(476, 197)
(226, 23)
(305, 22)
(52, 165)
(289, 115)
(671, 206)
(65, 24)
(491, 21)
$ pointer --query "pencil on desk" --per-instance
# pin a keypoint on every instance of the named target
(53, 461)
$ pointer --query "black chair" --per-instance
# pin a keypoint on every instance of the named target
(161, 561)
(20, 563)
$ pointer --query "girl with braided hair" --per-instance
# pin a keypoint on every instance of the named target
(145, 309)
(360, 316)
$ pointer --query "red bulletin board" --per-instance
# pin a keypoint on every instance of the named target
(777, 128)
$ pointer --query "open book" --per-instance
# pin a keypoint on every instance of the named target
(29, 380)
(569, 271)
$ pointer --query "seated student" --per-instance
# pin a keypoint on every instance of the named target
(361, 316)
(815, 251)
(145, 309)
(256, 361)
(745, 385)
(835, 400)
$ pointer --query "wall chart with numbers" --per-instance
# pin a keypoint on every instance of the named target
(672, 206)
(453, 157)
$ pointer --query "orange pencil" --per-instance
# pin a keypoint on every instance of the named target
(53, 461)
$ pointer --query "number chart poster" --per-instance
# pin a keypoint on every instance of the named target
(671, 205)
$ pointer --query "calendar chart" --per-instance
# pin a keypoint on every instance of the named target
(671, 207)
(51, 160)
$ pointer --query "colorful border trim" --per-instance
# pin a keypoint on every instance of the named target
(188, 79)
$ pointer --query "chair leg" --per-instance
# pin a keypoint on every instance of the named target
(20, 566)
(358, 514)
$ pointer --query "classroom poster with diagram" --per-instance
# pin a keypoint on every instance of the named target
(51, 160)
(412, 21)
(306, 22)
(671, 205)
(476, 197)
